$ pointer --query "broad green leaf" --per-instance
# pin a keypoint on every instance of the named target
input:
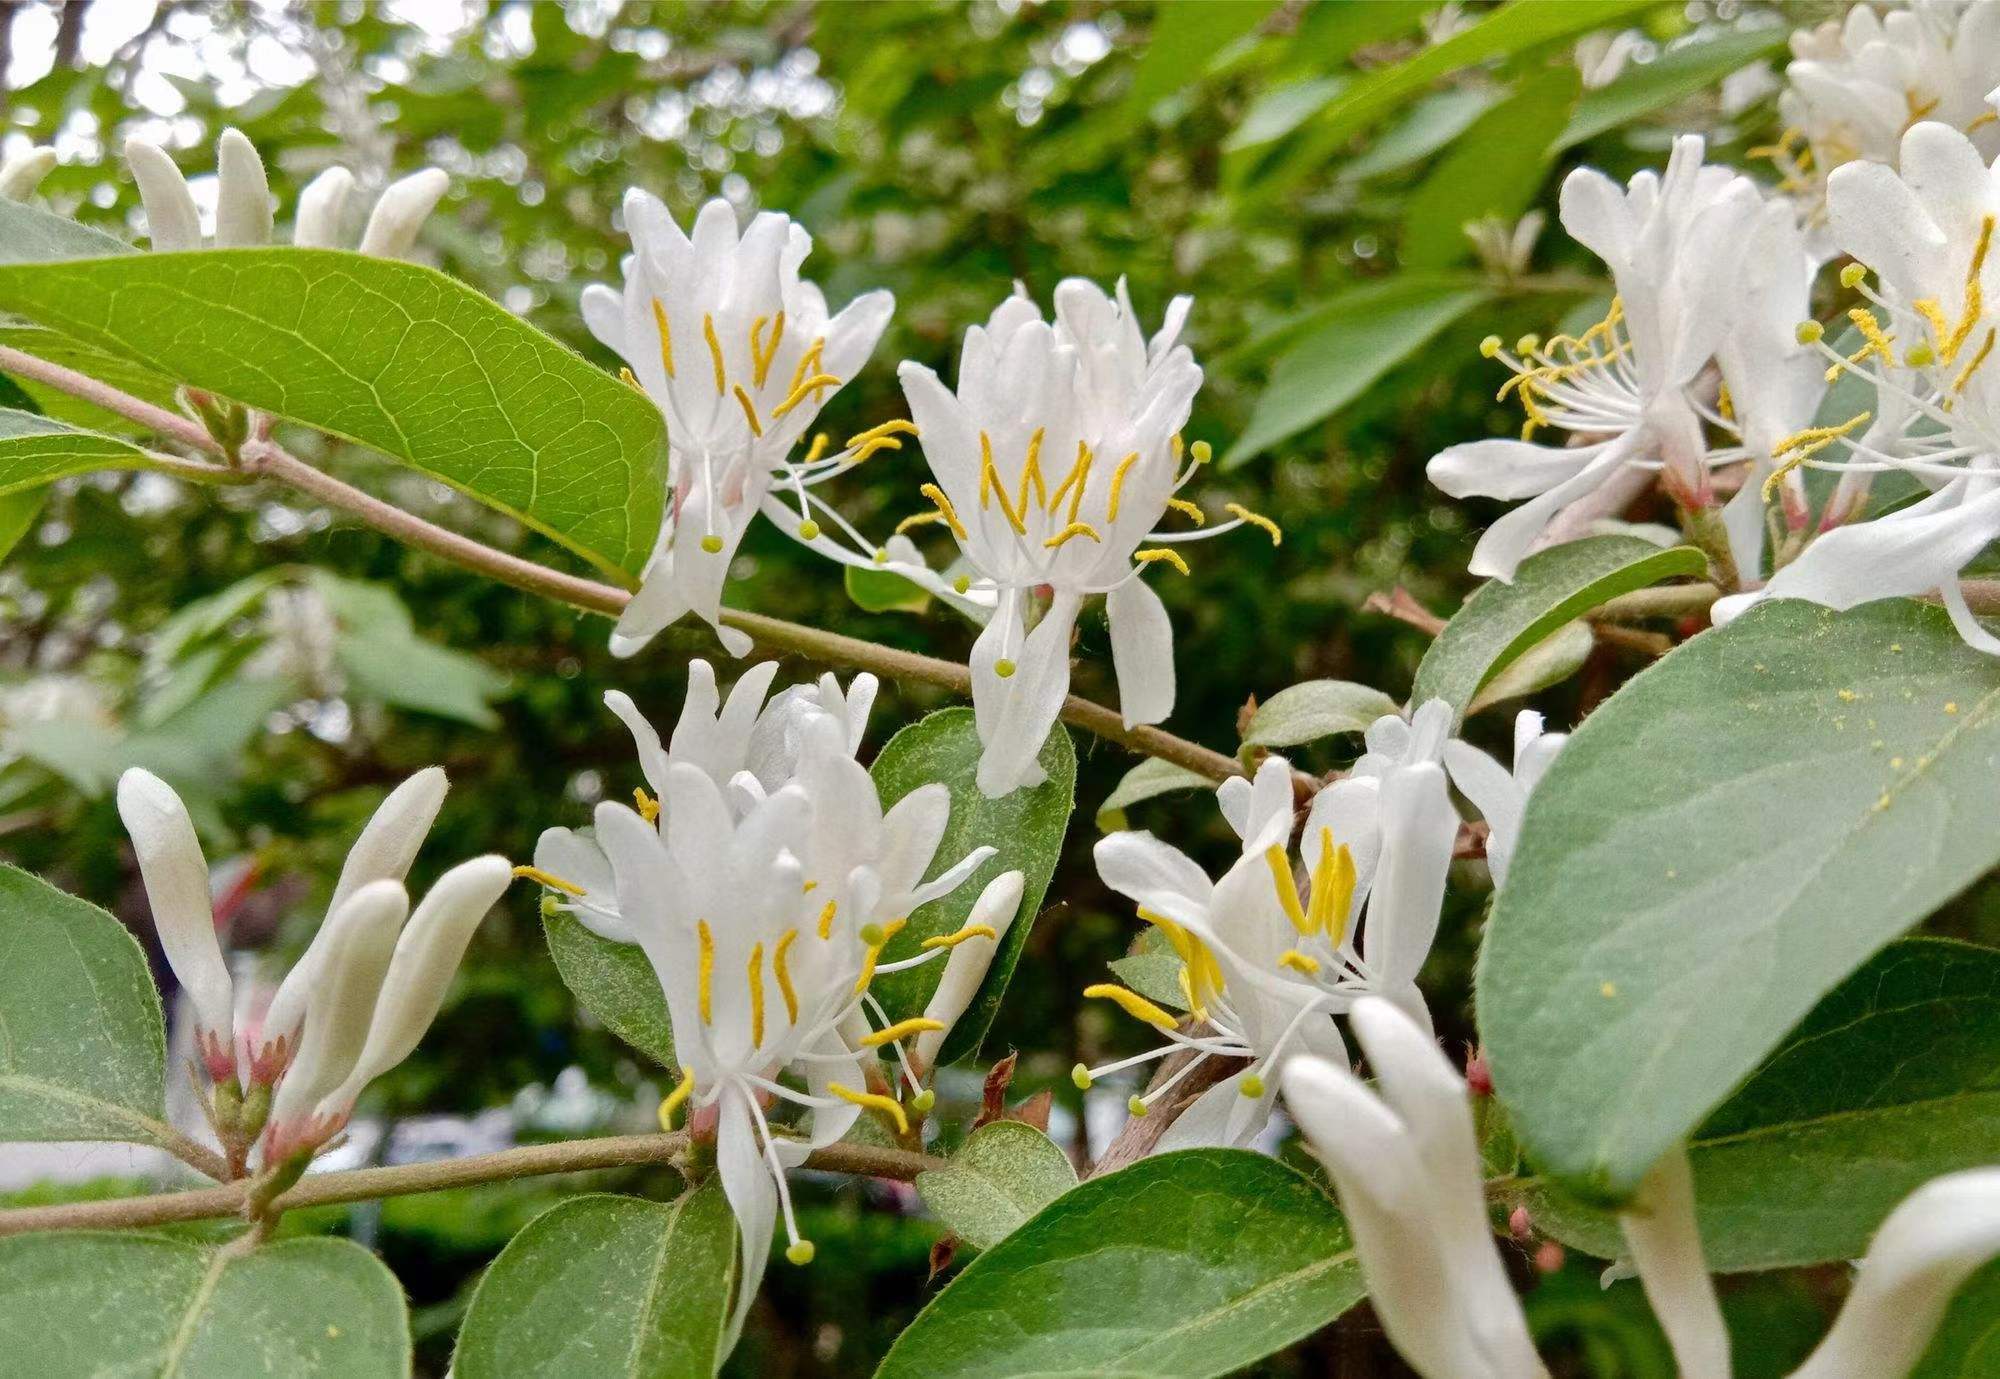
(1892, 1080)
(410, 673)
(121, 373)
(1550, 661)
(1026, 826)
(1156, 976)
(29, 234)
(1003, 1174)
(1967, 1343)
(879, 591)
(1366, 332)
(1720, 844)
(1501, 621)
(1313, 710)
(93, 1303)
(1431, 123)
(1493, 169)
(82, 1050)
(1281, 110)
(18, 512)
(35, 449)
(388, 354)
(1691, 68)
(604, 1285)
(1182, 1266)
(1184, 40)
(615, 983)
(1149, 778)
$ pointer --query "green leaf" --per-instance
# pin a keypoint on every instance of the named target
(1281, 110)
(1719, 845)
(121, 373)
(413, 674)
(615, 983)
(18, 512)
(1149, 778)
(604, 1285)
(1316, 709)
(1892, 1080)
(388, 354)
(1689, 69)
(1365, 332)
(1501, 621)
(1550, 661)
(1184, 40)
(1027, 827)
(82, 1049)
(1183, 1266)
(1154, 975)
(1967, 1343)
(92, 1303)
(35, 449)
(1493, 169)
(1003, 1174)
(881, 591)
(1431, 123)
(29, 234)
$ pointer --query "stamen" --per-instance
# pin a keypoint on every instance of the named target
(1031, 472)
(631, 380)
(872, 1101)
(1803, 445)
(990, 485)
(706, 976)
(818, 448)
(1182, 505)
(952, 940)
(673, 1100)
(1133, 1004)
(1299, 962)
(803, 391)
(826, 919)
(715, 353)
(902, 1029)
(1073, 482)
(1172, 557)
(873, 953)
(761, 365)
(649, 808)
(918, 519)
(1118, 484)
(549, 879)
(808, 364)
(756, 981)
(749, 412)
(784, 976)
(1965, 374)
(879, 443)
(1256, 519)
(1879, 343)
(1074, 529)
(1333, 883)
(944, 510)
(898, 427)
(1287, 887)
(666, 336)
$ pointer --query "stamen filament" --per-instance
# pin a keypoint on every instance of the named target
(900, 1030)
(549, 879)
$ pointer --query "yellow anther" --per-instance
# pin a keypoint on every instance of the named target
(918, 519)
(674, 1100)
(990, 487)
(666, 337)
(1287, 887)
(898, 427)
(756, 982)
(873, 952)
(1188, 994)
(1527, 344)
(861, 453)
(826, 919)
(806, 389)
(1965, 374)
(1932, 313)
(1853, 275)
(1257, 519)
(1803, 445)
(1333, 882)
(1202, 452)
(870, 1101)
(715, 353)
(1070, 532)
(1299, 962)
(1871, 330)
(1981, 120)
(1251, 1086)
(631, 380)
(1133, 1004)
(944, 510)
(784, 976)
(817, 450)
(761, 364)
(800, 1252)
(808, 364)
(1172, 557)
(712, 544)
(1136, 1104)
(1031, 473)
(1118, 484)
(1080, 1078)
(808, 530)
(1725, 405)
(1183, 506)
(958, 936)
(1004, 668)
(549, 879)
(705, 974)
(749, 412)
(648, 807)
(1490, 347)
(902, 1029)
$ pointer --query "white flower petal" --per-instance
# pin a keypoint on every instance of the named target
(1142, 652)
(177, 888)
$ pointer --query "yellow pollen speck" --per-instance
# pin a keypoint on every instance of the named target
(1608, 990)
(1895, 763)
(648, 807)
(881, 556)
(1951, 706)
(1847, 695)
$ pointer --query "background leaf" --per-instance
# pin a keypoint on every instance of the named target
(1148, 779)
(1967, 1343)
(1313, 710)
(604, 1285)
(1003, 1174)
(1494, 168)
(1182, 1266)
(29, 234)
(35, 449)
(615, 983)
(1681, 71)
(1719, 845)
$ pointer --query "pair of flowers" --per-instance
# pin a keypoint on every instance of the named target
(1405, 1161)
(1054, 463)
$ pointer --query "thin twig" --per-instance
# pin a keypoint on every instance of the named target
(398, 1180)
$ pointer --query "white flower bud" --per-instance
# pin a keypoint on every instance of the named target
(172, 222)
(966, 968)
(1666, 1250)
(360, 939)
(176, 877)
(243, 196)
(321, 207)
(400, 214)
(427, 956)
(22, 173)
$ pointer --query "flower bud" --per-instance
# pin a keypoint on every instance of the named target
(22, 173)
(172, 222)
(321, 207)
(966, 968)
(176, 877)
(243, 195)
(400, 214)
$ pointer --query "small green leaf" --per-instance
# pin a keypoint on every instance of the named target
(1493, 169)
(91, 1303)
(606, 1286)
(1967, 1343)
(1183, 1266)
(82, 1049)
(1002, 1175)
(1316, 709)
(882, 591)
(121, 373)
(1550, 661)
(1721, 843)
(35, 449)
(18, 512)
(1027, 827)
(29, 234)
(1149, 778)
(1365, 332)
(615, 983)
(1892, 1080)
(1688, 69)
(1431, 123)
(1500, 621)
(1184, 40)
(388, 354)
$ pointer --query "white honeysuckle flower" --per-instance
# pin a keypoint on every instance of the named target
(965, 970)
(1501, 795)
(1055, 461)
(177, 888)
(1926, 230)
(243, 207)
(1405, 1162)
(766, 925)
(1674, 244)
(21, 173)
(740, 354)
(1857, 83)
(1665, 1244)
